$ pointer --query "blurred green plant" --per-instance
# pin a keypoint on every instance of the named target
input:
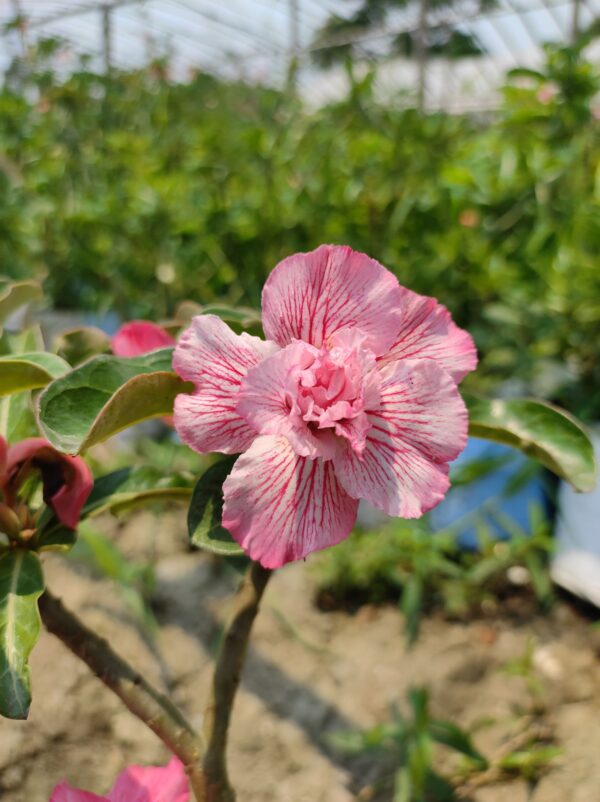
(403, 755)
(404, 751)
(132, 193)
(133, 580)
(426, 571)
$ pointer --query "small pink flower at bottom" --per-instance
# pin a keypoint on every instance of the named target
(352, 396)
(136, 784)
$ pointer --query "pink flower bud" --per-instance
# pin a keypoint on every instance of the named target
(140, 337)
(67, 481)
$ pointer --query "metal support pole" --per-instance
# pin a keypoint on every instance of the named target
(294, 20)
(106, 37)
(575, 23)
(18, 12)
(421, 53)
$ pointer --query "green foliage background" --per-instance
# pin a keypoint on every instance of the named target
(103, 179)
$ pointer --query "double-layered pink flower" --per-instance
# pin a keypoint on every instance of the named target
(352, 396)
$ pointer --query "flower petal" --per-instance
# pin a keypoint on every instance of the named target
(152, 784)
(3, 453)
(310, 296)
(216, 360)
(65, 793)
(428, 332)
(262, 401)
(280, 506)
(67, 481)
(420, 426)
(140, 337)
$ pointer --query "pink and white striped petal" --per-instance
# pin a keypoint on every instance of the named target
(215, 359)
(428, 332)
(64, 793)
(310, 296)
(267, 400)
(152, 784)
(281, 507)
(419, 427)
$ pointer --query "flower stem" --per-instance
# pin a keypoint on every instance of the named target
(144, 701)
(226, 679)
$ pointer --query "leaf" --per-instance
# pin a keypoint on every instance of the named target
(449, 734)
(524, 72)
(20, 342)
(104, 557)
(17, 420)
(242, 315)
(206, 509)
(540, 430)
(21, 585)
(130, 487)
(13, 296)
(411, 605)
(106, 395)
(77, 345)
(29, 371)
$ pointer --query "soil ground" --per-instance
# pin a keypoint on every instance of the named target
(308, 674)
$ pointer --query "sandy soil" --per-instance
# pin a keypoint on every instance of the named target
(308, 674)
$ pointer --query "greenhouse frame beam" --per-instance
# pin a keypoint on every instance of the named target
(194, 40)
(490, 15)
(79, 11)
(210, 17)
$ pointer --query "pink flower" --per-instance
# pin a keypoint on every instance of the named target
(546, 93)
(67, 481)
(136, 784)
(140, 337)
(353, 396)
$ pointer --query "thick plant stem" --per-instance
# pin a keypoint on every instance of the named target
(226, 679)
(144, 701)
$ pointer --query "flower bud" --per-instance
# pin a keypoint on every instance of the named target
(9, 521)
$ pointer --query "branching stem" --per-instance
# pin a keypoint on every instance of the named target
(144, 701)
(203, 758)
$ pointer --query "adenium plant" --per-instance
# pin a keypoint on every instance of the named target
(353, 394)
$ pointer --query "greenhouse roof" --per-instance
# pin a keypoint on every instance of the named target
(257, 40)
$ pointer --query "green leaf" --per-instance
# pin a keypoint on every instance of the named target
(131, 487)
(449, 734)
(242, 315)
(106, 395)
(77, 345)
(542, 431)
(411, 605)
(13, 296)
(21, 585)
(104, 557)
(20, 342)
(29, 371)
(206, 508)
(17, 420)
